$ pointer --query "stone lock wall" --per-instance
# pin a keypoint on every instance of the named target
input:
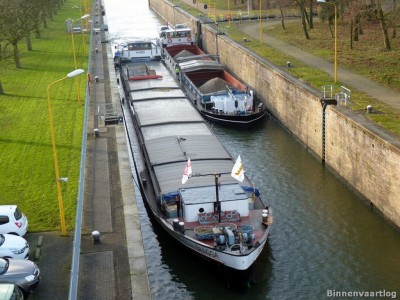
(365, 157)
(368, 161)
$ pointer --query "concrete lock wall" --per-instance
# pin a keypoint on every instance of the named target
(354, 148)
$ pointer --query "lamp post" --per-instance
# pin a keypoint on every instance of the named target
(260, 24)
(83, 33)
(53, 141)
(229, 14)
(78, 87)
(335, 59)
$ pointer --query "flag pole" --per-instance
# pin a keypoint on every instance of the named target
(218, 204)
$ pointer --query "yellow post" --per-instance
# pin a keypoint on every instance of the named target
(53, 142)
(83, 18)
(261, 41)
(229, 14)
(78, 85)
(215, 11)
(335, 43)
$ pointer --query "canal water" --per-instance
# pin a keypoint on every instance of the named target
(325, 240)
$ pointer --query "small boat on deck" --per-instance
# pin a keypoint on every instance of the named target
(178, 35)
(215, 211)
(139, 49)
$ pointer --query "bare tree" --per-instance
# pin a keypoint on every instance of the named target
(382, 19)
(328, 14)
(311, 15)
(395, 13)
(303, 12)
(355, 12)
(281, 4)
(11, 25)
(18, 18)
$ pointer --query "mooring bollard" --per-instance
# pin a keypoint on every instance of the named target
(96, 78)
(96, 132)
(96, 236)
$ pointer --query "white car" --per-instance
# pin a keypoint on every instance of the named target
(13, 246)
(9, 291)
(12, 220)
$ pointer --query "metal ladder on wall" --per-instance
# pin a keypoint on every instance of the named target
(328, 98)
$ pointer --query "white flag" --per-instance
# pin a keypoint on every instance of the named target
(188, 172)
(237, 171)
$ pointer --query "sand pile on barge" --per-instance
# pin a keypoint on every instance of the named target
(183, 53)
(213, 85)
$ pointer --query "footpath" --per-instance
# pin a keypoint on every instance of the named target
(115, 267)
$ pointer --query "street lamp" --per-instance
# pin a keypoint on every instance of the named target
(335, 59)
(83, 33)
(229, 14)
(260, 24)
(53, 141)
(78, 87)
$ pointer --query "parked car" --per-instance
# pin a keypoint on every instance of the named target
(12, 221)
(23, 273)
(9, 291)
(13, 246)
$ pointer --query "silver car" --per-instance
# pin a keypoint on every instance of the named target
(23, 273)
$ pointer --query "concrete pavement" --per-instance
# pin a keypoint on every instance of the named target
(115, 267)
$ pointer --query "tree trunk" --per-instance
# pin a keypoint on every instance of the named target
(381, 18)
(356, 27)
(37, 33)
(304, 23)
(303, 8)
(394, 34)
(44, 22)
(16, 56)
(29, 42)
(1, 89)
(311, 23)
(330, 28)
(351, 34)
(282, 17)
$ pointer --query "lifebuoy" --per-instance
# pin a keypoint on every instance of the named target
(169, 41)
(189, 39)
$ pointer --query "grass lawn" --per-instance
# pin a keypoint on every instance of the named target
(26, 156)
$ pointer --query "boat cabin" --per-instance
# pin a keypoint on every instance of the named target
(200, 204)
(137, 50)
(181, 36)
